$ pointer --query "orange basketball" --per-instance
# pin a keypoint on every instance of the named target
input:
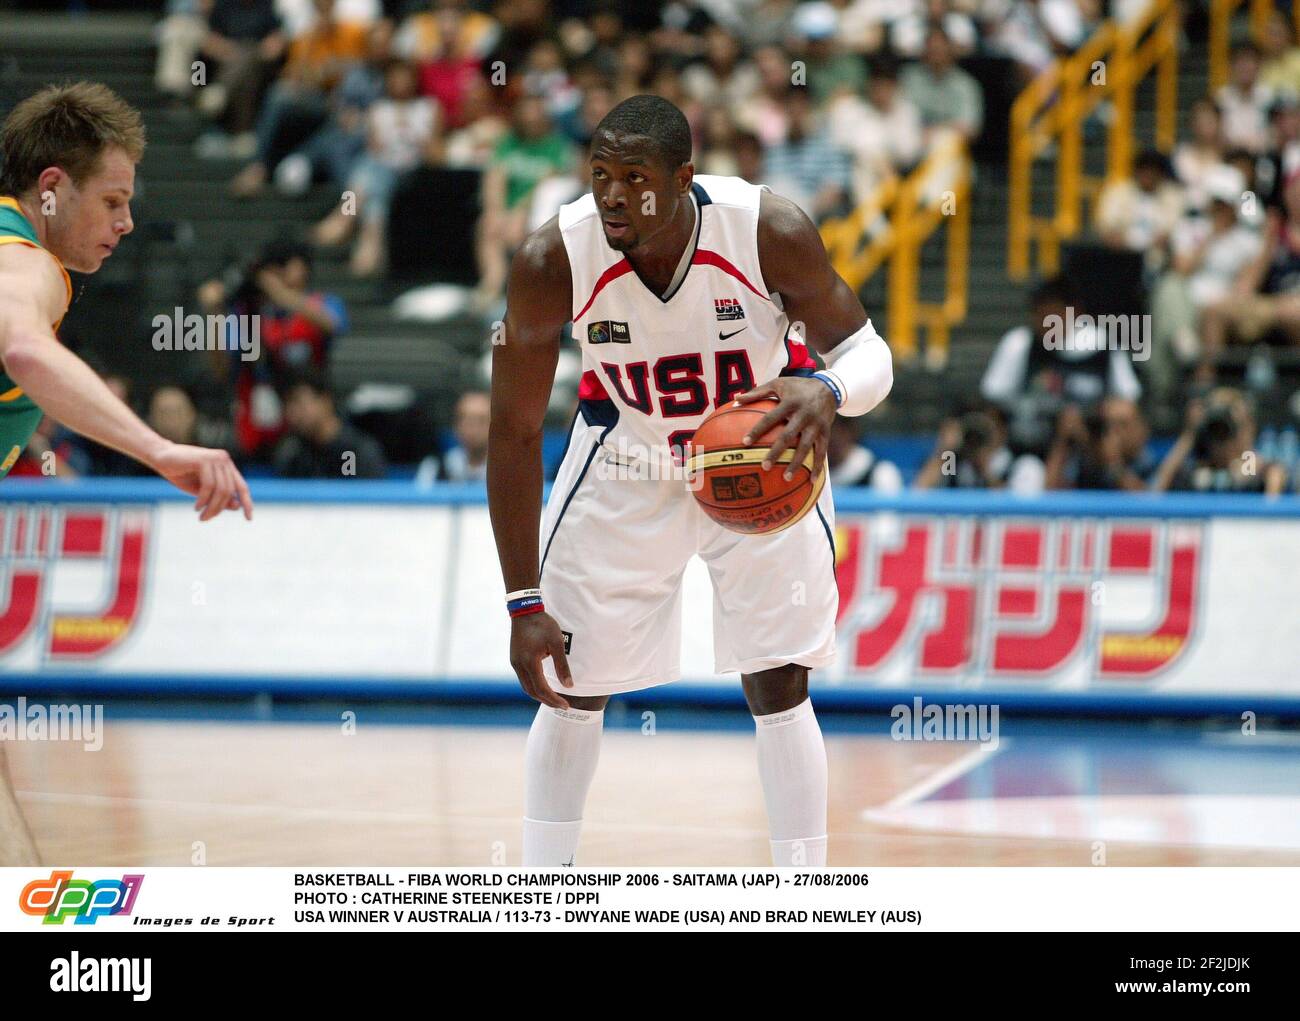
(728, 479)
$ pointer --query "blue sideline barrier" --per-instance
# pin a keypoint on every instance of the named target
(363, 491)
(343, 492)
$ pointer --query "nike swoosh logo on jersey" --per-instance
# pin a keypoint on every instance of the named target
(724, 336)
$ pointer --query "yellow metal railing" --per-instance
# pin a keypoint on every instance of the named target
(1221, 15)
(1052, 109)
(892, 225)
(856, 244)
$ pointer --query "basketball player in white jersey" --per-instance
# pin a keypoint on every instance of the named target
(682, 291)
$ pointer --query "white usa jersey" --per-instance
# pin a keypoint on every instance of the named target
(654, 368)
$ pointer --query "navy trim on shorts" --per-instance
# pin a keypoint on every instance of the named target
(567, 500)
(829, 537)
(594, 413)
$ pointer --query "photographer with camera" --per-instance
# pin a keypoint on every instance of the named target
(1214, 453)
(1104, 448)
(296, 326)
(972, 453)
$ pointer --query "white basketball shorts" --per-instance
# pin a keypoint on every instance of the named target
(614, 549)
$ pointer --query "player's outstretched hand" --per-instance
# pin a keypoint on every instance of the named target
(208, 475)
(533, 637)
(807, 407)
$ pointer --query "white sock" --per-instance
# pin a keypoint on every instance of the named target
(559, 762)
(792, 767)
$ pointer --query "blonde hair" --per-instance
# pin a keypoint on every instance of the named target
(66, 126)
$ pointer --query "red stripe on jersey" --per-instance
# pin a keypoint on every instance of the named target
(613, 273)
(591, 388)
(797, 356)
(707, 258)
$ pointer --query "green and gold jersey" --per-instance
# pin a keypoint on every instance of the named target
(19, 414)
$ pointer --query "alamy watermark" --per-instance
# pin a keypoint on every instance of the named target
(1083, 332)
(24, 721)
(627, 461)
(947, 722)
(194, 332)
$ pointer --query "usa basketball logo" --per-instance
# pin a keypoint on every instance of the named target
(728, 308)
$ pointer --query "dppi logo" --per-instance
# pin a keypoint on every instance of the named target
(951, 596)
(61, 896)
(35, 541)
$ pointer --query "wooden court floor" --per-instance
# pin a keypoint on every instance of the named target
(166, 792)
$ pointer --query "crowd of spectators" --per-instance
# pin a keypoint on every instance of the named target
(1212, 233)
(1214, 229)
(821, 100)
(1216, 223)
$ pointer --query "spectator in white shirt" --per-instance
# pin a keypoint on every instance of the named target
(1209, 253)
(1140, 212)
(1245, 102)
(1034, 32)
(883, 130)
(1202, 153)
(300, 16)
(402, 132)
(907, 34)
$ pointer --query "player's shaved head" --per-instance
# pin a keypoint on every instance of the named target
(641, 174)
(652, 118)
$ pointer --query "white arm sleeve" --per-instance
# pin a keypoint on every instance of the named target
(863, 368)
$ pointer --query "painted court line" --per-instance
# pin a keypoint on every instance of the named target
(978, 755)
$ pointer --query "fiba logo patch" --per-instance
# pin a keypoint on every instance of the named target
(608, 331)
(728, 308)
